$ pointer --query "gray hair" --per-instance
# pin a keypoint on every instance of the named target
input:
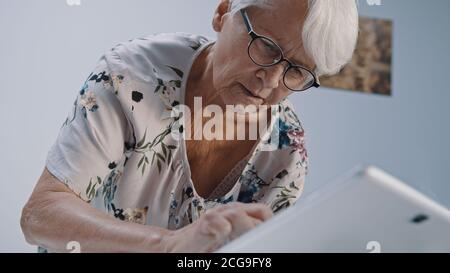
(330, 31)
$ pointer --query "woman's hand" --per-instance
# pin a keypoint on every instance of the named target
(216, 226)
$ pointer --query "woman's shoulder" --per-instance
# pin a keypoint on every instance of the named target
(148, 73)
(163, 42)
(288, 114)
(142, 55)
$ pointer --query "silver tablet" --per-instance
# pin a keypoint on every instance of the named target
(365, 210)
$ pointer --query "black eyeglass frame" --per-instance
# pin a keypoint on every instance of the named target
(291, 65)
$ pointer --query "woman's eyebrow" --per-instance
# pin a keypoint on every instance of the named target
(297, 61)
(277, 41)
(269, 34)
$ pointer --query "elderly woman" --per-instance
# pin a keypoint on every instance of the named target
(117, 178)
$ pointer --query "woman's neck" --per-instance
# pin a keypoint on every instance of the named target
(200, 85)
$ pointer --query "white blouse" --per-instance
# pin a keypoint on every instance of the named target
(115, 149)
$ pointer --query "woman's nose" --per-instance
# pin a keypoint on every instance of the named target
(271, 76)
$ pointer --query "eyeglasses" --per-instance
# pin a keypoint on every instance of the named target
(264, 52)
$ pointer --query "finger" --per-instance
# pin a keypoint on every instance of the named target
(211, 232)
(255, 210)
(216, 225)
(240, 222)
(262, 212)
(256, 222)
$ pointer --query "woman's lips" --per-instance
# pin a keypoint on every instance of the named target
(250, 94)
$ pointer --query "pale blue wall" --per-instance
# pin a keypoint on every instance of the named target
(406, 134)
(48, 48)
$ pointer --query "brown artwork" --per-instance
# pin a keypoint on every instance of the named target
(370, 69)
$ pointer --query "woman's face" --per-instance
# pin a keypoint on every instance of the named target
(235, 76)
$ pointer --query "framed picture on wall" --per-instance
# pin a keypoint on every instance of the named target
(370, 70)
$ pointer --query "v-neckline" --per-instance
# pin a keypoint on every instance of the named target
(185, 160)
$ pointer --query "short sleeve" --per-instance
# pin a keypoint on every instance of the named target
(92, 139)
(286, 190)
(286, 167)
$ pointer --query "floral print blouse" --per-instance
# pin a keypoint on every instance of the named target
(115, 149)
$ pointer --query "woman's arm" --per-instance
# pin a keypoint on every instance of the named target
(55, 216)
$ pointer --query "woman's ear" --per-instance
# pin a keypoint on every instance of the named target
(222, 9)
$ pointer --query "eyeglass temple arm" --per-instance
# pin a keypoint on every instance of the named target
(247, 21)
(317, 82)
